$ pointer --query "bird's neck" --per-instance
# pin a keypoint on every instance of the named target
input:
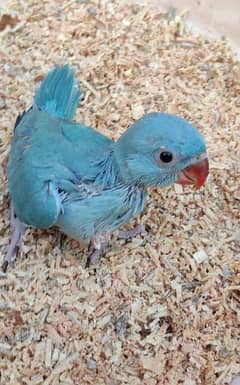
(119, 160)
(112, 172)
(108, 172)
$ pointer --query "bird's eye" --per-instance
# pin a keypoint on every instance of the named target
(166, 156)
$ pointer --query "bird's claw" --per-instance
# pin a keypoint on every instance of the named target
(139, 229)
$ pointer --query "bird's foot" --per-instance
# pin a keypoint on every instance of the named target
(98, 246)
(139, 229)
(100, 242)
(94, 256)
(18, 230)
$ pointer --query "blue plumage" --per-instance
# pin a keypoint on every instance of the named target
(65, 174)
(59, 94)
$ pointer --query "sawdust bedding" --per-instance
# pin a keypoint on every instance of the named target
(164, 307)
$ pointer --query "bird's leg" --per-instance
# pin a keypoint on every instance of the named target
(139, 229)
(94, 256)
(98, 245)
(18, 230)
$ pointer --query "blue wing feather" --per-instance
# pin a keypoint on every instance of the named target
(49, 154)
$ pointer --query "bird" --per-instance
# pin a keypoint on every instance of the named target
(68, 175)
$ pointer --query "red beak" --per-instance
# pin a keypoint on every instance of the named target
(196, 173)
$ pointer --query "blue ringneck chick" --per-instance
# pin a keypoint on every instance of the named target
(68, 175)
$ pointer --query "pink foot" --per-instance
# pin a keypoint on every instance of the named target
(94, 256)
(18, 229)
(139, 229)
(98, 246)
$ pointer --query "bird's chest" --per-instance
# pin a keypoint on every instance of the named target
(136, 199)
(129, 205)
(91, 211)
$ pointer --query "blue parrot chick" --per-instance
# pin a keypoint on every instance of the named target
(68, 175)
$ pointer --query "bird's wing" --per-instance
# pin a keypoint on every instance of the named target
(48, 157)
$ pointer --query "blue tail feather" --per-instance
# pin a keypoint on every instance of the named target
(59, 93)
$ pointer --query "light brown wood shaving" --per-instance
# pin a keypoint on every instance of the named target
(162, 308)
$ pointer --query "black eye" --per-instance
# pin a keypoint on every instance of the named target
(166, 156)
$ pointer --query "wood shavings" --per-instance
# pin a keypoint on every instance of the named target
(200, 256)
(48, 353)
(178, 188)
(5, 349)
(7, 20)
(137, 112)
(64, 365)
(162, 308)
(155, 364)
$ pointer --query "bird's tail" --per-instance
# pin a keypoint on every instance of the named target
(59, 93)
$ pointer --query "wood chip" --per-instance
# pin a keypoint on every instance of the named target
(155, 364)
(200, 256)
(163, 307)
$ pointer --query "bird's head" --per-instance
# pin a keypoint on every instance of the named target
(161, 149)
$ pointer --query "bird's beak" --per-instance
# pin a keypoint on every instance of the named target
(196, 173)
